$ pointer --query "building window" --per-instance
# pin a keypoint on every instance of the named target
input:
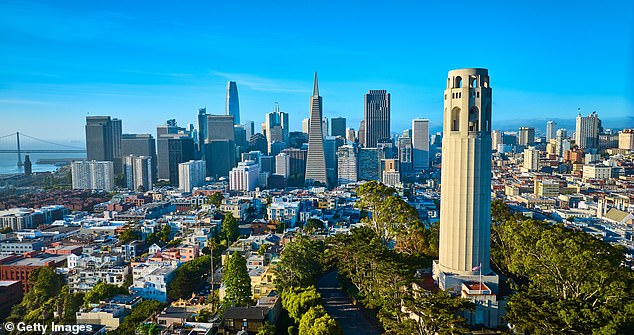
(455, 119)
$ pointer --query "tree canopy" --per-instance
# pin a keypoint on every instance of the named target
(103, 291)
(317, 322)
(566, 281)
(300, 263)
(229, 228)
(298, 300)
(237, 281)
(187, 277)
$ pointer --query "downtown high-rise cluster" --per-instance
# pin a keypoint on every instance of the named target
(325, 153)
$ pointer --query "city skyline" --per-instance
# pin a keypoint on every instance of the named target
(64, 64)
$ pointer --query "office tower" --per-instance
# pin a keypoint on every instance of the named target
(526, 136)
(369, 164)
(140, 145)
(258, 142)
(496, 139)
(608, 141)
(249, 127)
(465, 200)
(386, 148)
(232, 106)
(297, 163)
(338, 127)
(405, 155)
(220, 157)
(282, 164)
(202, 132)
(376, 116)
(389, 172)
(103, 140)
(267, 164)
(551, 130)
(361, 134)
(173, 149)
(626, 139)
(276, 147)
(240, 136)
(191, 174)
(220, 127)
(324, 126)
(170, 127)
(244, 177)
(275, 126)
(420, 144)
(316, 161)
(561, 136)
(347, 164)
(220, 148)
(587, 131)
(531, 159)
(92, 175)
(28, 166)
(331, 144)
(305, 125)
(296, 139)
(351, 135)
(138, 172)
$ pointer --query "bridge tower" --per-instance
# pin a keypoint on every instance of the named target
(17, 135)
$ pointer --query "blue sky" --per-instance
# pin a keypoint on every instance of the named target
(145, 62)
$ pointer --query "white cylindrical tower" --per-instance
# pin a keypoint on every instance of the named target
(465, 201)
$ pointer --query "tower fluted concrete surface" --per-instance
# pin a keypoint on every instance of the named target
(465, 202)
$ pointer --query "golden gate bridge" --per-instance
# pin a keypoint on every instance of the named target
(21, 143)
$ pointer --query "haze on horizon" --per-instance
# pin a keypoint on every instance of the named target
(146, 63)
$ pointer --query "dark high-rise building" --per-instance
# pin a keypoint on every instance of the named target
(220, 147)
(232, 106)
(140, 145)
(297, 166)
(331, 144)
(267, 164)
(173, 149)
(28, 167)
(257, 142)
(220, 157)
(338, 127)
(202, 131)
(103, 140)
(296, 139)
(316, 161)
(369, 164)
(376, 116)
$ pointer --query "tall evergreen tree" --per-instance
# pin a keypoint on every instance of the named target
(237, 281)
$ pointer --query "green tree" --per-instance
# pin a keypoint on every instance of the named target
(567, 281)
(317, 322)
(237, 281)
(390, 215)
(215, 199)
(103, 291)
(148, 328)
(267, 329)
(128, 235)
(298, 300)
(300, 263)
(140, 313)
(437, 313)
(229, 228)
(187, 277)
(313, 225)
